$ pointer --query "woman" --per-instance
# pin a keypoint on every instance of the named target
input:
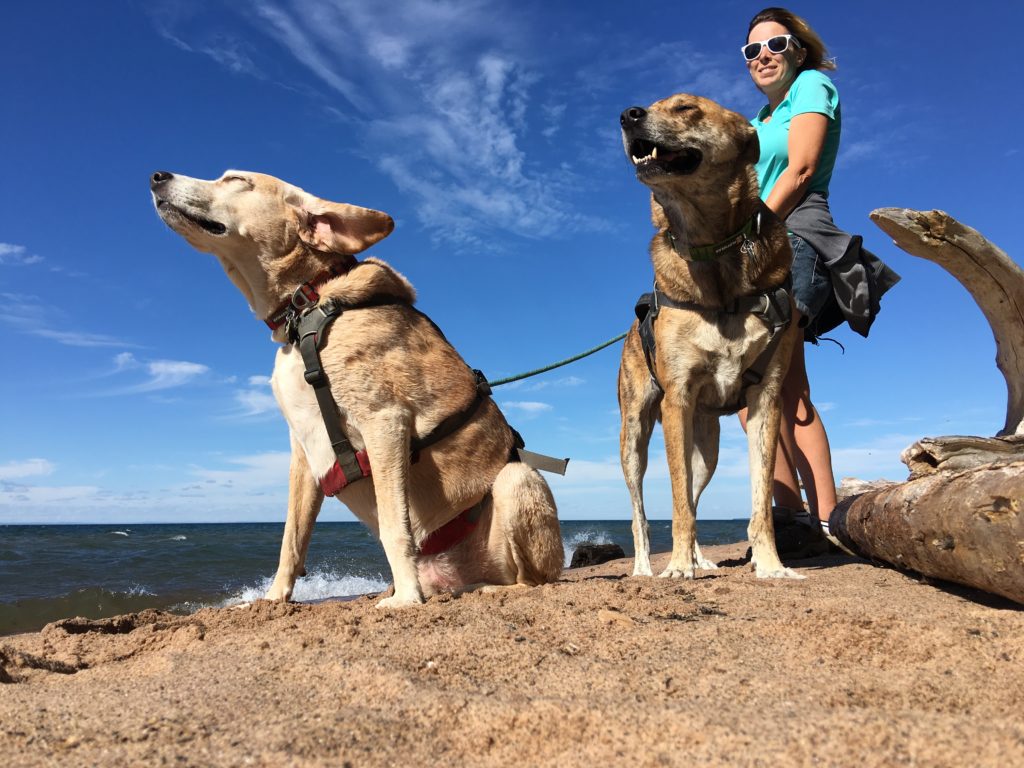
(834, 278)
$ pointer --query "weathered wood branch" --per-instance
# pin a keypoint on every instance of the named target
(992, 278)
(960, 516)
(936, 454)
(966, 527)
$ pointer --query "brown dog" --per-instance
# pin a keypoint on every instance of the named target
(452, 512)
(718, 320)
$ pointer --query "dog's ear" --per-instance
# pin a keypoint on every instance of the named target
(341, 228)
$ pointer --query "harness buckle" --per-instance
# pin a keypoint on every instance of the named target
(304, 297)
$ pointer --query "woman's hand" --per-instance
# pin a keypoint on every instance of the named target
(806, 139)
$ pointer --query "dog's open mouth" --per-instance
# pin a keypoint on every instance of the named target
(213, 227)
(650, 159)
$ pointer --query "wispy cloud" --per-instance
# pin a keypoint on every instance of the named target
(879, 458)
(445, 94)
(256, 400)
(14, 470)
(527, 407)
(255, 472)
(17, 255)
(160, 374)
(535, 385)
(34, 316)
(248, 487)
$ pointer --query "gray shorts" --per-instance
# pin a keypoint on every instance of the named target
(812, 286)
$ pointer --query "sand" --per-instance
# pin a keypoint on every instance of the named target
(857, 665)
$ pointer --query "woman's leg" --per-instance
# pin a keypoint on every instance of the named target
(803, 444)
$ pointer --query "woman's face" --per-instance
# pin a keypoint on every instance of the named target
(774, 72)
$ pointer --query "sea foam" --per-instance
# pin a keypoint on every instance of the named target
(313, 586)
(583, 537)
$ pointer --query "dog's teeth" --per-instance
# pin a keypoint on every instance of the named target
(654, 154)
(636, 160)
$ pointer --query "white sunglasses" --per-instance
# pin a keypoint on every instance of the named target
(777, 44)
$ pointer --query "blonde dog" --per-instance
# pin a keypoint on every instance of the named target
(715, 334)
(435, 459)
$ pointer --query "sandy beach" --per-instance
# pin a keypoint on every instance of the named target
(856, 665)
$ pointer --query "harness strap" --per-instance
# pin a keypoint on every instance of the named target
(456, 421)
(452, 532)
(349, 466)
(772, 307)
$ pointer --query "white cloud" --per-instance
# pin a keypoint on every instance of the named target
(31, 315)
(441, 91)
(255, 402)
(17, 255)
(250, 487)
(162, 374)
(877, 459)
(528, 407)
(249, 473)
(259, 381)
(14, 470)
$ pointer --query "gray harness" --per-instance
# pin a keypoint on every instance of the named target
(773, 308)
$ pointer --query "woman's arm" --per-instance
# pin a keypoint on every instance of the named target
(806, 140)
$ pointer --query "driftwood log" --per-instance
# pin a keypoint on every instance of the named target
(966, 526)
(960, 516)
(992, 278)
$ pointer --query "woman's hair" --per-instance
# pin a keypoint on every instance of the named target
(817, 55)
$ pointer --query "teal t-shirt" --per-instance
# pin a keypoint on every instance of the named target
(811, 91)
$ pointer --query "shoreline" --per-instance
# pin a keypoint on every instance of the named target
(856, 665)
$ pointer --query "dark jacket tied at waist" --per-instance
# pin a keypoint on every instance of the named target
(859, 278)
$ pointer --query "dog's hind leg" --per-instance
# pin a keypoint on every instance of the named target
(525, 541)
(763, 416)
(639, 399)
(703, 461)
(304, 501)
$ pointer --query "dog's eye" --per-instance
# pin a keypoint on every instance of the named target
(683, 107)
(228, 179)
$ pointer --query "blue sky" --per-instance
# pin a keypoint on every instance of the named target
(134, 384)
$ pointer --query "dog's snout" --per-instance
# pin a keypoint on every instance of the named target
(160, 177)
(632, 116)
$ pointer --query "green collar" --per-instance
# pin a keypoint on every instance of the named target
(740, 239)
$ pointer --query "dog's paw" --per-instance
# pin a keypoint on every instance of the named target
(780, 572)
(642, 569)
(676, 573)
(400, 602)
(707, 565)
(278, 593)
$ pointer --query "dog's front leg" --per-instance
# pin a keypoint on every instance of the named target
(304, 501)
(677, 424)
(387, 443)
(702, 462)
(763, 416)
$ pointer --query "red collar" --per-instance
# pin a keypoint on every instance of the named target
(306, 295)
